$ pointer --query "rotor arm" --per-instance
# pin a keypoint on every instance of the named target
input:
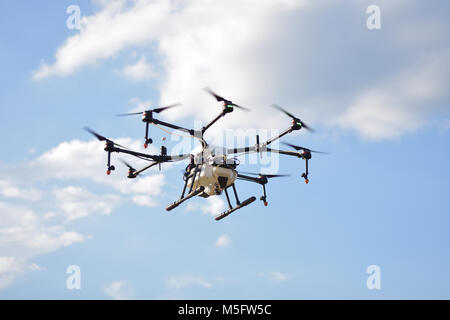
(248, 178)
(262, 180)
(213, 121)
(298, 155)
(285, 132)
(138, 172)
(262, 147)
(174, 126)
(157, 158)
(228, 107)
(241, 150)
(193, 133)
(288, 153)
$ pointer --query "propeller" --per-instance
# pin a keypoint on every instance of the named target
(300, 122)
(127, 164)
(102, 138)
(266, 175)
(298, 148)
(262, 180)
(157, 110)
(222, 99)
(133, 173)
(131, 170)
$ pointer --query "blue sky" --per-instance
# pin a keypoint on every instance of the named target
(377, 98)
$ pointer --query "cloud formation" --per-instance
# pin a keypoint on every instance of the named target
(139, 71)
(317, 59)
(27, 233)
(185, 281)
(119, 290)
(401, 104)
(223, 241)
(275, 276)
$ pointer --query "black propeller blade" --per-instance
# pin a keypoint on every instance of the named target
(222, 99)
(127, 164)
(157, 110)
(131, 171)
(102, 138)
(304, 125)
(99, 137)
(266, 175)
(298, 148)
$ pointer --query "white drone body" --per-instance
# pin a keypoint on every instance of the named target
(213, 175)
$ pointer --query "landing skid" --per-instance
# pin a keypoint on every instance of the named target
(190, 195)
(231, 210)
(199, 191)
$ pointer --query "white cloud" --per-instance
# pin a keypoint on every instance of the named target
(287, 52)
(35, 267)
(139, 71)
(9, 190)
(223, 241)
(77, 202)
(275, 276)
(214, 205)
(211, 43)
(9, 268)
(87, 161)
(376, 116)
(278, 276)
(191, 206)
(115, 27)
(119, 290)
(399, 105)
(26, 233)
(184, 281)
(145, 201)
(9, 264)
(22, 231)
(150, 185)
(12, 267)
(140, 105)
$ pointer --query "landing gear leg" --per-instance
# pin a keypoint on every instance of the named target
(185, 184)
(305, 174)
(147, 140)
(228, 198)
(193, 178)
(110, 167)
(192, 193)
(235, 194)
(264, 197)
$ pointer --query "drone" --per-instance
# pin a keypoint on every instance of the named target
(211, 170)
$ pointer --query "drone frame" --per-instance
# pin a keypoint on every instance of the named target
(194, 168)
